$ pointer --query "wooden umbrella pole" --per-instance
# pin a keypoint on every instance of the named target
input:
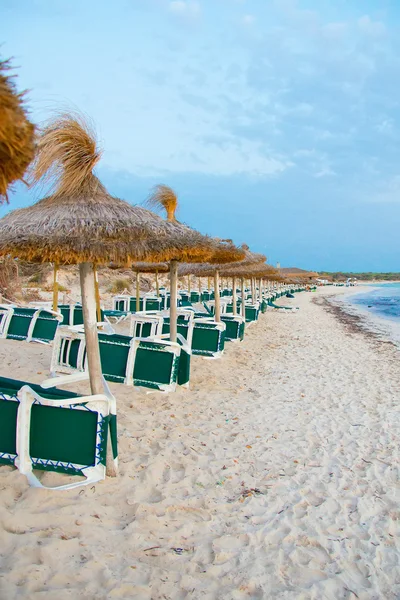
(243, 302)
(97, 292)
(199, 289)
(217, 297)
(87, 280)
(209, 284)
(157, 286)
(253, 290)
(234, 299)
(173, 274)
(55, 287)
(189, 285)
(137, 291)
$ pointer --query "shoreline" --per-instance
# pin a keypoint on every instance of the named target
(385, 329)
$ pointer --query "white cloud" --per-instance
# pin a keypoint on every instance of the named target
(248, 19)
(370, 27)
(185, 8)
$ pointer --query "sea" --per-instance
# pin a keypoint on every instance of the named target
(379, 307)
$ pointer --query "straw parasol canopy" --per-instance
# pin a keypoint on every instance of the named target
(294, 274)
(17, 133)
(216, 267)
(222, 250)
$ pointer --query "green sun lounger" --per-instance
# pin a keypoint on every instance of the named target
(145, 362)
(208, 338)
(28, 324)
(73, 314)
(55, 430)
(145, 325)
(235, 327)
(252, 312)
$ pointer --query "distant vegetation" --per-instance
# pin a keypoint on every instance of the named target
(368, 276)
(119, 285)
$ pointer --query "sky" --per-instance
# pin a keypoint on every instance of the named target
(276, 121)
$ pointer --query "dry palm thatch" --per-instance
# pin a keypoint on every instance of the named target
(17, 133)
(81, 221)
(144, 267)
(293, 275)
(208, 269)
(165, 198)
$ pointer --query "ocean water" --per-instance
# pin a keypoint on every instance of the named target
(379, 307)
(383, 300)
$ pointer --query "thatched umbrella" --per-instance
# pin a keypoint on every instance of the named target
(229, 269)
(251, 270)
(17, 134)
(223, 251)
(143, 267)
(81, 223)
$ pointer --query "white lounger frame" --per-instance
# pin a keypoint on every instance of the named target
(103, 404)
(8, 312)
(67, 334)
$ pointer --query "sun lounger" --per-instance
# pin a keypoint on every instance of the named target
(235, 326)
(208, 338)
(55, 430)
(252, 312)
(28, 324)
(145, 362)
(145, 325)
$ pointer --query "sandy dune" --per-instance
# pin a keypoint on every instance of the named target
(275, 476)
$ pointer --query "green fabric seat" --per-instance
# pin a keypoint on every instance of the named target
(252, 313)
(194, 297)
(45, 327)
(235, 327)
(30, 324)
(208, 338)
(145, 362)
(20, 323)
(55, 430)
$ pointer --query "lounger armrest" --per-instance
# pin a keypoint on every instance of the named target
(64, 379)
(184, 343)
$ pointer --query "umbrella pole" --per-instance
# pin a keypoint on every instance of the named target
(157, 286)
(234, 308)
(253, 290)
(137, 291)
(199, 289)
(243, 304)
(173, 282)
(87, 280)
(55, 287)
(97, 292)
(217, 297)
(189, 286)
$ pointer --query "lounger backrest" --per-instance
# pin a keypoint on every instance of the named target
(20, 323)
(151, 363)
(235, 326)
(185, 324)
(56, 431)
(45, 326)
(145, 325)
(208, 338)
(156, 364)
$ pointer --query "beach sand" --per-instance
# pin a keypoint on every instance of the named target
(275, 476)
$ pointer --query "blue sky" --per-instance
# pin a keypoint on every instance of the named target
(277, 121)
